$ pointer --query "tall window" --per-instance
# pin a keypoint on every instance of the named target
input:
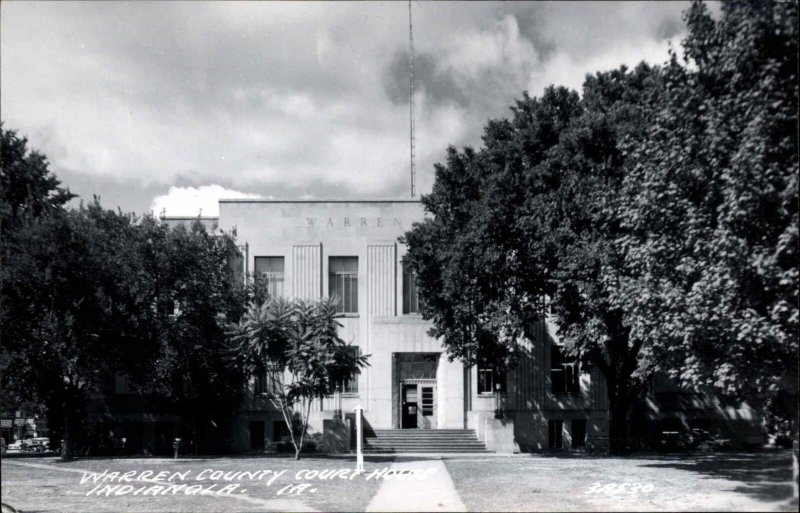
(555, 438)
(343, 282)
(490, 381)
(578, 433)
(271, 268)
(564, 374)
(410, 300)
(350, 386)
(266, 383)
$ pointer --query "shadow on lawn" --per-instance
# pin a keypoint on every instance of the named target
(765, 476)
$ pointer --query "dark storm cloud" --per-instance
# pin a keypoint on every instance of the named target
(439, 87)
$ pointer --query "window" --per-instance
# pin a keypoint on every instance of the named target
(260, 383)
(578, 433)
(350, 386)
(410, 298)
(564, 374)
(490, 381)
(271, 269)
(263, 384)
(555, 438)
(427, 401)
(343, 283)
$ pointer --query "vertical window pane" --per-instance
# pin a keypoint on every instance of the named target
(271, 268)
(350, 386)
(343, 282)
(410, 298)
(578, 433)
(555, 435)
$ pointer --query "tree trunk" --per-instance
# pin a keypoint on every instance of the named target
(795, 465)
(618, 428)
(68, 449)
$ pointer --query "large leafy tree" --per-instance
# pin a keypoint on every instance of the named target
(296, 345)
(89, 292)
(29, 192)
(712, 208)
(528, 217)
(186, 273)
(69, 313)
(578, 224)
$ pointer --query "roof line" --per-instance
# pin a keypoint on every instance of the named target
(265, 200)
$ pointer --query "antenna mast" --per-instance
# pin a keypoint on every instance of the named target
(411, 97)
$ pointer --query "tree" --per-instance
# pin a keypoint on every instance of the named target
(712, 207)
(28, 190)
(69, 313)
(193, 296)
(527, 218)
(295, 344)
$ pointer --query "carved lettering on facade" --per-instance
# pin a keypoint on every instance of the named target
(344, 222)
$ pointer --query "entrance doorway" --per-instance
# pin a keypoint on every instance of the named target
(418, 404)
(414, 390)
(409, 419)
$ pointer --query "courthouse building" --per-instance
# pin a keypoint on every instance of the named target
(350, 249)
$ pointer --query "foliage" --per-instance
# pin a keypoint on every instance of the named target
(527, 217)
(711, 205)
(89, 292)
(187, 274)
(28, 190)
(296, 345)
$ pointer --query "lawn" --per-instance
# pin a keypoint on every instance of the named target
(711, 482)
(721, 482)
(47, 484)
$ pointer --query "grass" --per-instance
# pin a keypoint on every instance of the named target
(48, 484)
(714, 482)
(691, 482)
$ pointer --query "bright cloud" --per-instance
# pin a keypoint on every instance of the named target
(194, 201)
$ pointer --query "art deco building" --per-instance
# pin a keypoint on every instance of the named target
(350, 249)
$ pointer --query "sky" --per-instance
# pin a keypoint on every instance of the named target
(169, 106)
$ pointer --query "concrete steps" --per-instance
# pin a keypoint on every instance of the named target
(423, 440)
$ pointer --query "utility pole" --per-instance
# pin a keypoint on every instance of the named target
(411, 98)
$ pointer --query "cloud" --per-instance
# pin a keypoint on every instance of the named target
(291, 98)
(193, 201)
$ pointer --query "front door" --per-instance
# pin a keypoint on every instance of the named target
(409, 407)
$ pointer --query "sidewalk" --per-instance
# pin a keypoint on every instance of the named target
(435, 493)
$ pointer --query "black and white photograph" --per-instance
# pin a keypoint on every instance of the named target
(399, 256)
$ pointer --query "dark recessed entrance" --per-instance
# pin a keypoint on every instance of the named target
(414, 390)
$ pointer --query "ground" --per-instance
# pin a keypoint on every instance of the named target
(699, 482)
(728, 481)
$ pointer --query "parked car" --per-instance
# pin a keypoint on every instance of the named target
(39, 444)
(15, 446)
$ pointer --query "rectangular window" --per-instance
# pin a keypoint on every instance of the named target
(578, 433)
(260, 383)
(264, 383)
(427, 401)
(410, 298)
(490, 381)
(271, 269)
(555, 438)
(343, 283)
(564, 374)
(350, 386)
